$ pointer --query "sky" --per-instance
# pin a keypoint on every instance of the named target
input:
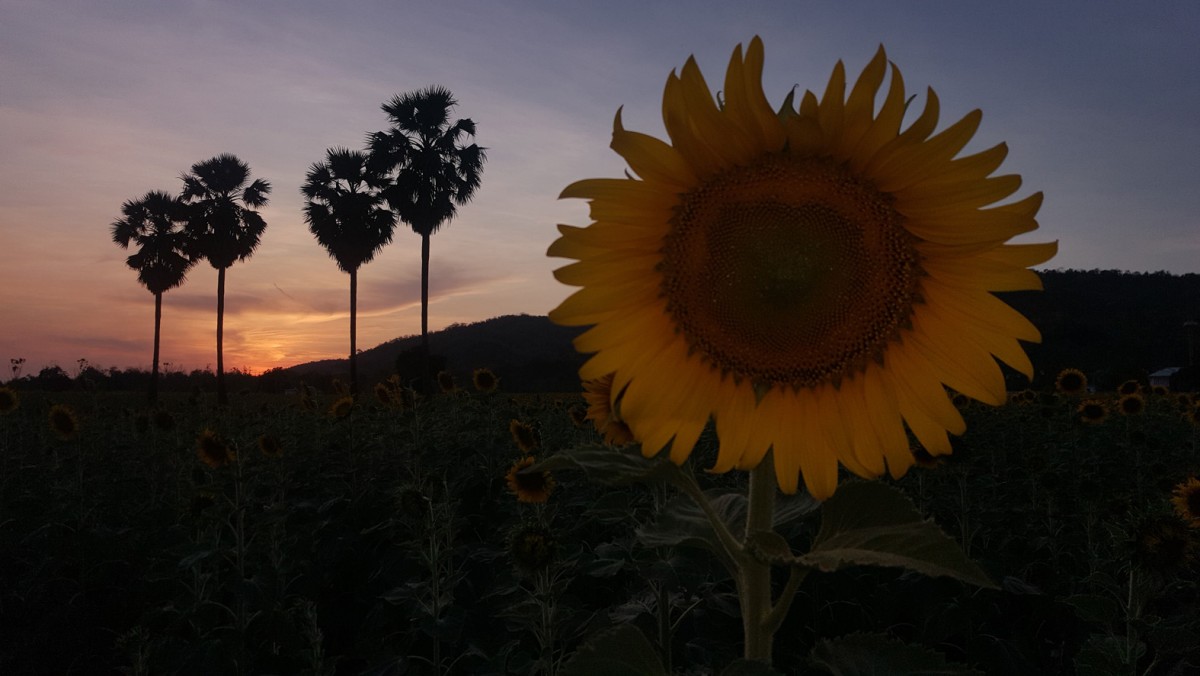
(1098, 101)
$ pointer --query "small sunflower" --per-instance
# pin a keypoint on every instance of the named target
(445, 381)
(1129, 387)
(212, 449)
(811, 279)
(484, 380)
(578, 415)
(1184, 401)
(1071, 381)
(1092, 411)
(603, 411)
(1187, 502)
(383, 394)
(308, 398)
(532, 548)
(1131, 404)
(63, 422)
(9, 401)
(529, 486)
(524, 436)
(201, 502)
(270, 446)
(1163, 543)
(341, 407)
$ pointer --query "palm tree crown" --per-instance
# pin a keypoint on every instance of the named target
(225, 230)
(224, 225)
(427, 172)
(349, 218)
(164, 253)
(434, 172)
(345, 213)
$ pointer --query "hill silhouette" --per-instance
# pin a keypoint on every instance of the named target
(529, 353)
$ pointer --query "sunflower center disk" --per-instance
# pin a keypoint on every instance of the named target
(790, 271)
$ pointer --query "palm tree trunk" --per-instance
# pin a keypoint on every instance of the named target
(427, 385)
(353, 334)
(222, 397)
(153, 394)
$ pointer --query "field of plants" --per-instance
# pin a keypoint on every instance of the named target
(303, 534)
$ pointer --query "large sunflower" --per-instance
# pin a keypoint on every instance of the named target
(811, 279)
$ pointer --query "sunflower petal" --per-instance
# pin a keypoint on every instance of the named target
(649, 157)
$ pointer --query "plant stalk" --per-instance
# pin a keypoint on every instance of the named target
(754, 576)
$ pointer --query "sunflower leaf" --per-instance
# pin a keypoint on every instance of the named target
(611, 466)
(620, 651)
(862, 654)
(868, 523)
(683, 523)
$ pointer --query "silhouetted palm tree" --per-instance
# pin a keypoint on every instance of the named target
(431, 171)
(154, 223)
(224, 225)
(350, 219)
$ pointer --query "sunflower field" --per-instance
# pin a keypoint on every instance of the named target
(310, 534)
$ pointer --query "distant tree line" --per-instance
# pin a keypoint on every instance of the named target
(418, 171)
(1114, 326)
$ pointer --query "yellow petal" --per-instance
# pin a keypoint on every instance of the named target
(885, 418)
(745, 102)
(981, 272)
(708, 122)
(650, 158)
(832, 111)
(860, 107)
(905, 165)
(733, 425)
(918, 389)
(818, 462)
(696, 149)
(885, 127)
(921, 200)
(981, 308)
(960, 365)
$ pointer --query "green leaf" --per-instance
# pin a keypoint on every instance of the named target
(869, 523)
(620, 651)
(610, 465)
(1094, 608)
(1103, 655)
(788, 508)
(682, 523)
(862, 654)
(864, 504)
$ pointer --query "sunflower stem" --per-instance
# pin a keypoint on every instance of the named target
(754, 576)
